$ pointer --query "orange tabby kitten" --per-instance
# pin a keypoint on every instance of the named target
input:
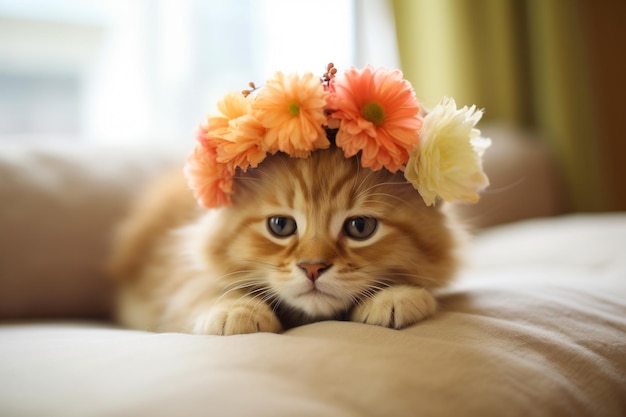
(304, 240)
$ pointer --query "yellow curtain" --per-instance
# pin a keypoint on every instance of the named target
(525, 62)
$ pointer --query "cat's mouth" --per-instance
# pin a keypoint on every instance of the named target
(314, 291)
(318, 303)
(316, 299)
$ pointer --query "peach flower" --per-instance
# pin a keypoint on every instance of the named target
(243, 146)
(379, 116)
(291, 108)
(235, 133)
(210, 180)
(447, 162)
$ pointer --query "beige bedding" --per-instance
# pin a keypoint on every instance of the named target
(535, 326)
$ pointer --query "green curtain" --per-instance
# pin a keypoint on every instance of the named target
(525, 62)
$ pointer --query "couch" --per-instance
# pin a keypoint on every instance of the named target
(534, 325)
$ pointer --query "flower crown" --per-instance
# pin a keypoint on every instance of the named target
(375, 114)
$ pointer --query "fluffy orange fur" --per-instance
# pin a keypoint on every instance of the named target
(352, 244)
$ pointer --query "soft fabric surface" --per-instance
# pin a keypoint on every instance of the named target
(536, 326)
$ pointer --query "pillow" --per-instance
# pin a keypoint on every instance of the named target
(524, 182)
(59, 206)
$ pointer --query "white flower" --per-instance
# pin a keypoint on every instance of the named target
(447, 162)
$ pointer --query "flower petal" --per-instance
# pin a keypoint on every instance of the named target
(385, 140)
(294, 132)
(210, 181)
(447, 162)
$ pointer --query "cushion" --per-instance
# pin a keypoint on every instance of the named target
(59, 206)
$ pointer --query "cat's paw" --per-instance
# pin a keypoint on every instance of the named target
(395, 307)
(238, 317)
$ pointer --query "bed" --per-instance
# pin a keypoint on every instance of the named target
(534, 325)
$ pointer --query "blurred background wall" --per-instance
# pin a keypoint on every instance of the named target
(147, 71)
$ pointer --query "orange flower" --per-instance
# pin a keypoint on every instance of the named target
(210, 180)
(292, 110)
(243, 146)
(379, 116)
(232, 106)
(236, 135)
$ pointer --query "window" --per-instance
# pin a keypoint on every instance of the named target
(134, 71)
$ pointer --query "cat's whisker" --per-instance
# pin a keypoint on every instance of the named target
(253, 174)
(252, 293)
(265, 298)
(354, 300)
(367, 293)
(275, 303)
(393, 197)
(238, 285)
(270, 178)
(230, 274)
(247, 179)
(383, 184)
(385, 203)
(363, 298)
(237, 288)
(358, 191)
(251, 297)
(390, 274)
(257, 262)
(262, 296)
(226, 293)
(356, 176)
(284, 164)
(261, 292)
(244, 282)
(423, 278)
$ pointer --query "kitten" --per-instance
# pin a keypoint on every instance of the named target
(304, 240)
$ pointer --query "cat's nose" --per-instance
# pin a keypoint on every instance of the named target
(313, 270)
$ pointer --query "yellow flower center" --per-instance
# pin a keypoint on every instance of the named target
(294, 109)
(373, 112)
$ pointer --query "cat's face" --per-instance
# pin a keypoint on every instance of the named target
(321, 233)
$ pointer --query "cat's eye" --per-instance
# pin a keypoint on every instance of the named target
(281, 226)
(360, 228)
